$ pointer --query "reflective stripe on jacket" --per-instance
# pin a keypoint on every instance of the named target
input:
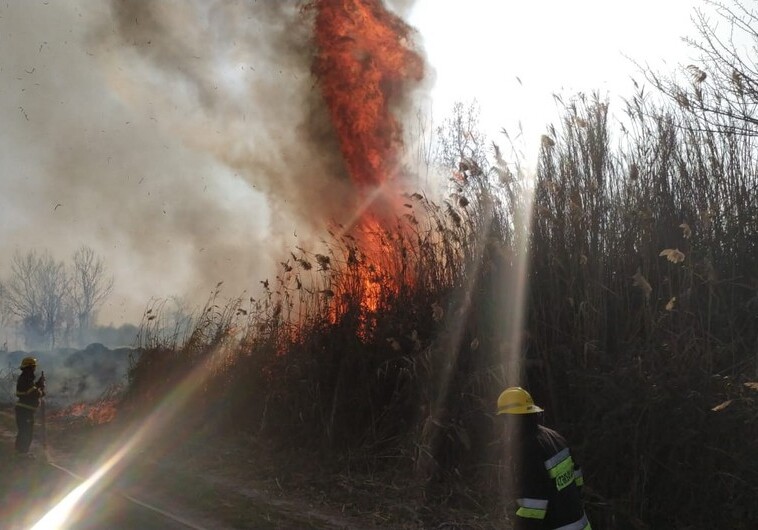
(549, 484)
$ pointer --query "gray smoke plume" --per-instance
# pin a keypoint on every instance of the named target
(185, 141)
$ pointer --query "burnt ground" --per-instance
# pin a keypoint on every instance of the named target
(229, 483)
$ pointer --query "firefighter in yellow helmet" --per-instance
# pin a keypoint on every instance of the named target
(29, 392)
(547, 482)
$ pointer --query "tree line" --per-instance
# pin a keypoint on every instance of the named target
(50, 302)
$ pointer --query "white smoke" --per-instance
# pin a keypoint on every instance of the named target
(185, 141)
(175, 138)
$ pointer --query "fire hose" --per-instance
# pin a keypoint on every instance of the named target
(150, 507)
(43, 436)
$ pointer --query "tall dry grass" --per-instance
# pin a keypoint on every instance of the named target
(641, 320)
(643, 310)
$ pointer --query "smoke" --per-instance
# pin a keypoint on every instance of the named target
(403, 8)
(232, 79)
(72, 376)
(185, 141)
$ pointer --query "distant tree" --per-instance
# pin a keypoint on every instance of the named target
(90, 286)
(5, 312)
(5, 317)
(722, 91)
(36, 293)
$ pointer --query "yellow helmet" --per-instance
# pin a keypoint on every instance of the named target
(516, 400)
(28, 361)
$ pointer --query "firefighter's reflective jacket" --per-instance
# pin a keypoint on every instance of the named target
(27, 392)
(549, 486)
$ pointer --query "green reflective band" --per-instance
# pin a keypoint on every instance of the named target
(531, 513)
(561, 468)
(25, 406)
(578, 478)
(531, 508)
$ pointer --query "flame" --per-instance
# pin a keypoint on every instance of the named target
(102, 412)
(371, 273)
(98, 413)
(364, 64)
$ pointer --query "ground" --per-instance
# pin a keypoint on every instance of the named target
(234, 482)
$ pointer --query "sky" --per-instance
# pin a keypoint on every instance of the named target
(170, 139)
(512, 56)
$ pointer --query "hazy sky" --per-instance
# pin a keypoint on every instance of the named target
(171, 138)
(512, 55)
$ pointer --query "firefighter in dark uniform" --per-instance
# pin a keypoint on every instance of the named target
(29, 392)
(547, 482)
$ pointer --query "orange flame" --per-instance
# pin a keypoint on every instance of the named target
(98, 413)
(364, 63)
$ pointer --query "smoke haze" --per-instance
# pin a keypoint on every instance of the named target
(184, 141)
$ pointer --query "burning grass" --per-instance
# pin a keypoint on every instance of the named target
(341, 351)
(86, 413)
(103, 410)
(349, 352)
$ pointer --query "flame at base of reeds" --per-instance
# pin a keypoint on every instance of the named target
(365, 65)
(372, 274)
(98, 413)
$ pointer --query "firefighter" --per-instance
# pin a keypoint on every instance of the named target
(29, 392)
(547, 484)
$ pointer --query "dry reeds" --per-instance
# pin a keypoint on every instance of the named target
(641, 318)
